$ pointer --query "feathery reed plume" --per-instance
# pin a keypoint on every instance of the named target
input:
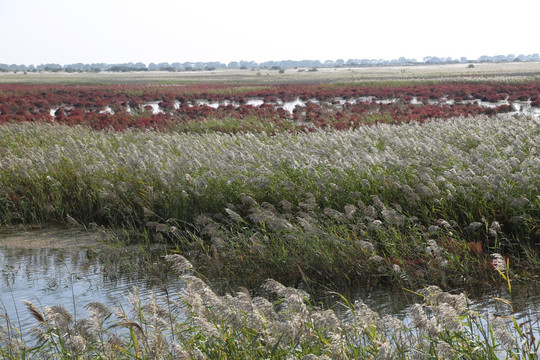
(498, 262)
(148, 213)
(445, 350)
(234, 215)
(76, 343)
(127, 324)
(179, 263)
(40, 335)
(71, 220)
(386, 352)
(315, 357)
(98, 308)
(59, 314)
(34, 311)
(132, 324)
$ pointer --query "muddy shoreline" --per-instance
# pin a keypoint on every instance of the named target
(48, 237)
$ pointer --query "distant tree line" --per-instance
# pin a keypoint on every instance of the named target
(273, 65)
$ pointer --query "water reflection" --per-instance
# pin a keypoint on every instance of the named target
(71, 276)
(518, 107)
(521, 304)
(525, 299)
(59, 267)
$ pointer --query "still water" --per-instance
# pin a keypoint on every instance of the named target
(517, 107)
(71, 268)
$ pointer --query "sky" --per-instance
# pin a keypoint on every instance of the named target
(120, 31)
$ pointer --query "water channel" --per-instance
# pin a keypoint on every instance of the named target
(518, 107)
(54, 266)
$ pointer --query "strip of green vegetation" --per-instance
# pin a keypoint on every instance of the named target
(231, 125)
(407, 204)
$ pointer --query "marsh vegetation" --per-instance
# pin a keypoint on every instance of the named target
(400, 195)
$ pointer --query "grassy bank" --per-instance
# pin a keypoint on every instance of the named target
(409, 204)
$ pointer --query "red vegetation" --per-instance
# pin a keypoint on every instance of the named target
(118, 107)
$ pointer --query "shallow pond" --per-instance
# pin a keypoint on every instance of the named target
(70, 268)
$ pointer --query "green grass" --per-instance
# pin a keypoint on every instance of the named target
(253, 124)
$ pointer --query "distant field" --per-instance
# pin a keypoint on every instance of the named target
(484, 71)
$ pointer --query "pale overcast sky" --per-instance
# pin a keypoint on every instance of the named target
(118, 31)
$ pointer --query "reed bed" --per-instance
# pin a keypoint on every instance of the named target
(197, 323)
(409, 204)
